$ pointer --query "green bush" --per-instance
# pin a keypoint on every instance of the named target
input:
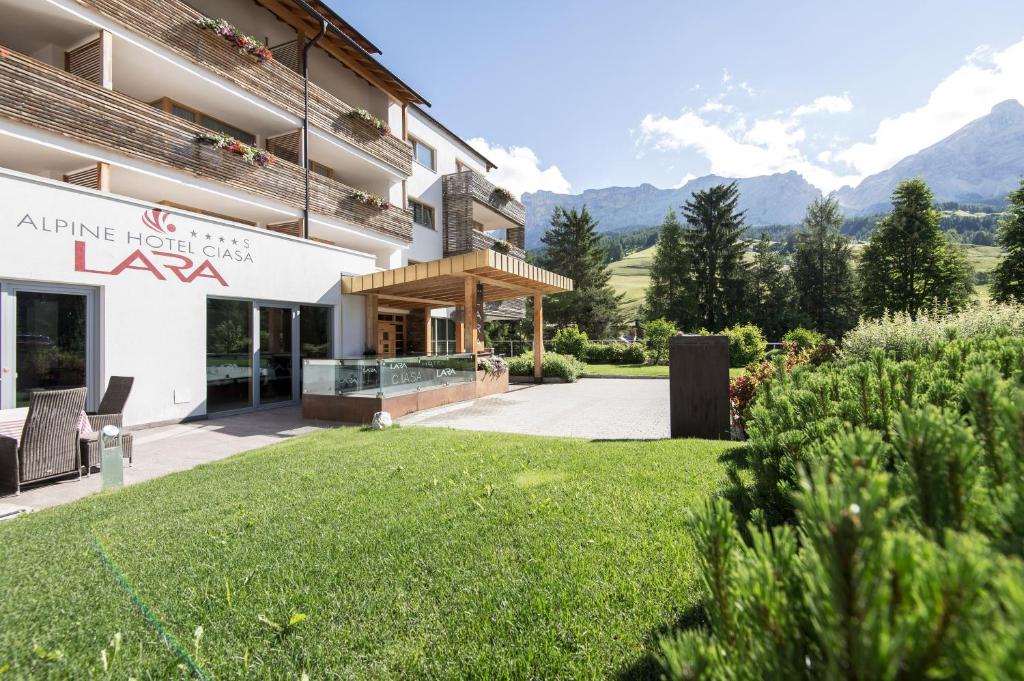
(900, 488)
(805, 339)
(907, 338)
(656, 335)
(746, 345)
(554, 366)
(569, 340)
(634, 353)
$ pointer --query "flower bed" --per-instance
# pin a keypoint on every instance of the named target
(371, 120)
(503, 194)
(366, 198)
(246, 44)
(251, 154)
(492, 366)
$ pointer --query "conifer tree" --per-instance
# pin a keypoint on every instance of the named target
(574, 249)
(670, 270)
(770, 291)
(713, 247)
(822, 271)
(909, 265)
(1008, 278)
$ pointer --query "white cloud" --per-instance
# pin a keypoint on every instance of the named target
(767, 146)
(519, 169)
(826, 104)
(985, 79)
(682, 182)
(726, 76)
(716, 104)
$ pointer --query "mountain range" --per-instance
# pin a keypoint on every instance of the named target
(982, 161)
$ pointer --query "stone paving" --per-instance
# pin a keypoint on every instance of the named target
(167, 449)
(592, 408)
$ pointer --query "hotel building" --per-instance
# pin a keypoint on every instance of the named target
(160, 217)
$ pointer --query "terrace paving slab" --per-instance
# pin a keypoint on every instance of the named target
(178, 447)
(593, 409)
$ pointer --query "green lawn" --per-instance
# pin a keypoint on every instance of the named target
(640, 370)
(413, 553)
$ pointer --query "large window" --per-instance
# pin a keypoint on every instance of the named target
(422, 214)
(442, 336)
(423, 154)
(228, 355)
(51, 343)
(314, 332)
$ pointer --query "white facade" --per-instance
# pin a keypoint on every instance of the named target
(148, 288)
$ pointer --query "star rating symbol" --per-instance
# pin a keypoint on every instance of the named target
(234, 242)
(222, 239)
(208, 237)
(194, 233)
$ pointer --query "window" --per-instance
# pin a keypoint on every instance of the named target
(321, 169)
(423, 154)
(209, 122)
(422, 214)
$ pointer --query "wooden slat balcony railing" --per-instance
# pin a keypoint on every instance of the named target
(460, 191)
(172, 23)
(480, 241)
(41, 96)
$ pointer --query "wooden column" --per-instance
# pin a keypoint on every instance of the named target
(103, 176)
(460, 338)
(427, 331)
(371, 322)
(469, 318)
(538, 337)
(106, 60)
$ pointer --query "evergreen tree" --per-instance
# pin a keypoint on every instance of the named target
(909, 265)
(1008, 278)
(574, 249)
(670, 271)
(822, 272)
(714, 250)
(770, 291)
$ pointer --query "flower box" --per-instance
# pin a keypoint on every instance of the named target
(246, 44)
(249, 153)
(369, 119)
(368, 199)
(503, 195)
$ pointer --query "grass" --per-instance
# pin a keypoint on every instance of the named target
(649, 370)
(412, 553)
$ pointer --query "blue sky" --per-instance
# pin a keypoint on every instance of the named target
(575, 95)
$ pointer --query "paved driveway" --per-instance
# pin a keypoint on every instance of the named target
(593, 408)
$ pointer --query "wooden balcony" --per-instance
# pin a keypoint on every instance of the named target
(172, 23)
(471, 201)
(49, 99)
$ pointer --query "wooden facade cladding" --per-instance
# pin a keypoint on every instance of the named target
(86, 61)
(172, 23)
(49, 99)
(459, 191)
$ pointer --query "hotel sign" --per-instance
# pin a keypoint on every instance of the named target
(157, 248)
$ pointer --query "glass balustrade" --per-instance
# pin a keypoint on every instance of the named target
(373, 377)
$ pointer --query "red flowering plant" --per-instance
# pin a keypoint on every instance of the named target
(246, 44)
(251, 154)
(743, 389)
(4, 54)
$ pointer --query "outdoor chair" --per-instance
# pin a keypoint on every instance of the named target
(111, 409)
(49, 445)
(109, 413)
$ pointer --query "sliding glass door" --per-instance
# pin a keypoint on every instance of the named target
(46, 343)
(273, 338)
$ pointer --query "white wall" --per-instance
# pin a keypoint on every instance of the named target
(153, 324)
(425, 185)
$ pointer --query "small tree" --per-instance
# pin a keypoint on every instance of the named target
(822, 270)
(1008, 278)
(656, 334)
(670, 271)
(770, 290)
(569, 340)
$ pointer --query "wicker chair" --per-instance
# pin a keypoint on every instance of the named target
(49, 446)
(109, 413)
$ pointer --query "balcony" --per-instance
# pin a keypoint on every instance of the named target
(473, 207)
(172, 24)
(46, 98)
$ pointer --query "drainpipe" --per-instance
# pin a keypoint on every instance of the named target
(305, 119)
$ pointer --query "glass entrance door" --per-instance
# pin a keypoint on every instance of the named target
(50, 343)
(276, 358)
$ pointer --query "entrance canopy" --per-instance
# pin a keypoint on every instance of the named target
(442, 283)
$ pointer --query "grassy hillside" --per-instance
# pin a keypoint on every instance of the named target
(631, 275)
